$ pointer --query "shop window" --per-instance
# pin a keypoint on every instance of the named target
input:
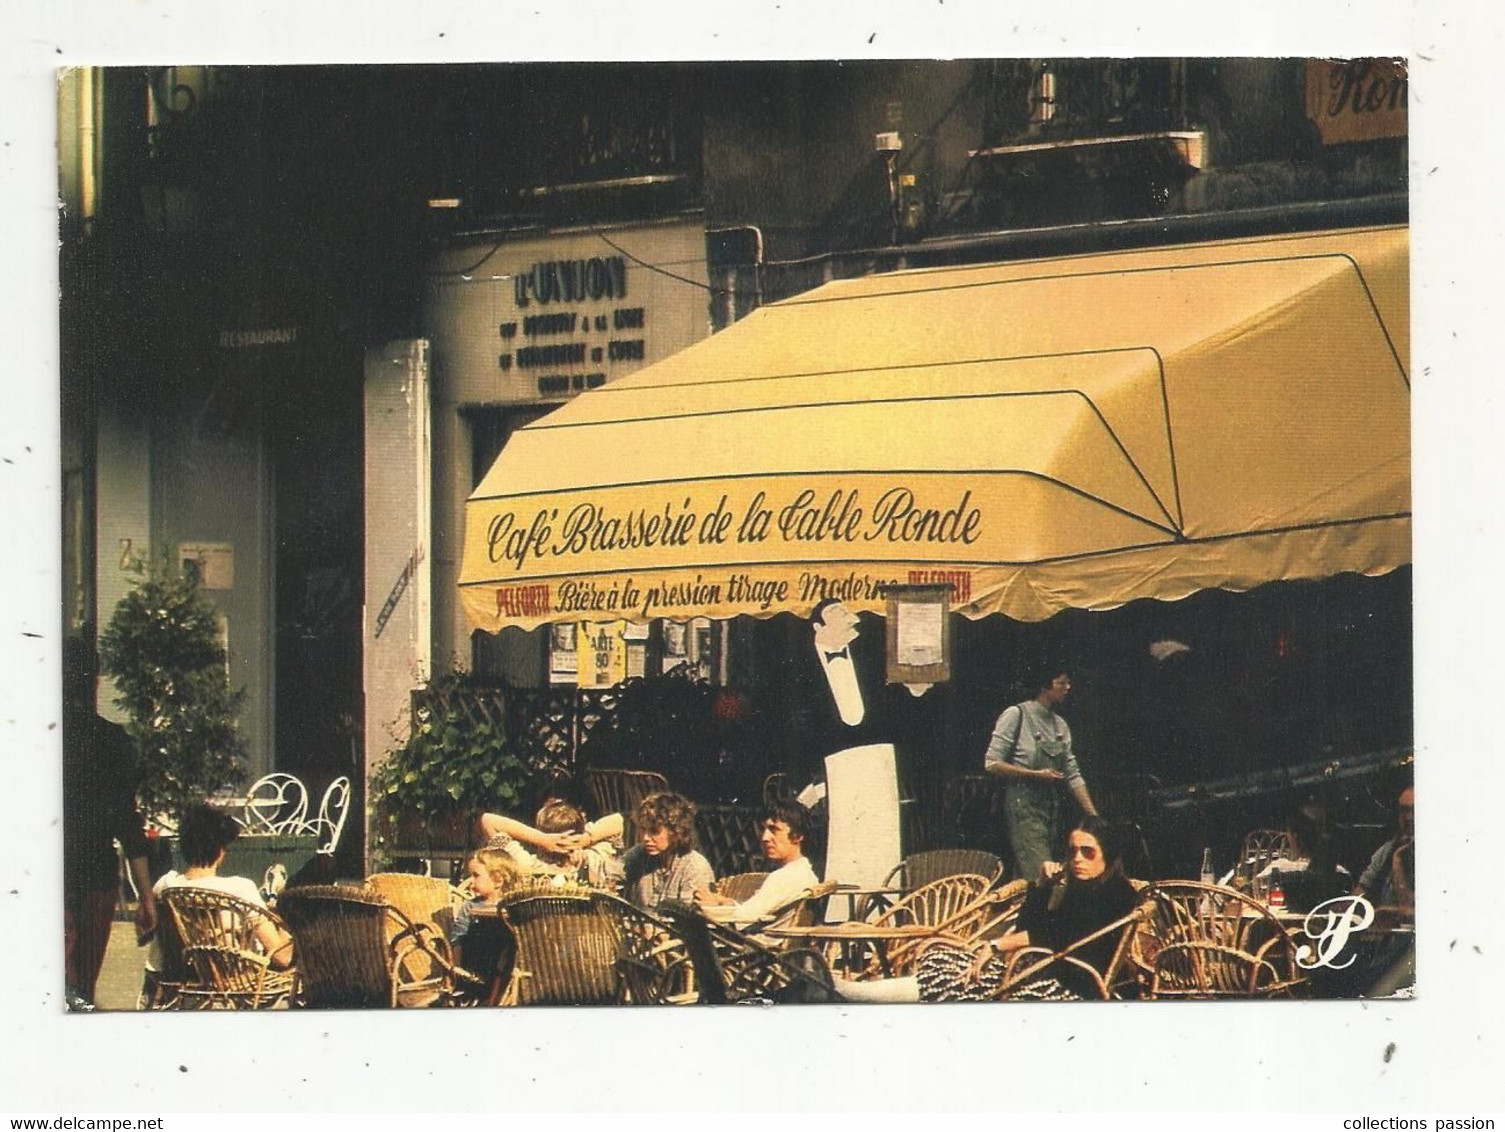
(600, 654)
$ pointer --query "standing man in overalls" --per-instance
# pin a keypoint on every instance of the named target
(1031, 750)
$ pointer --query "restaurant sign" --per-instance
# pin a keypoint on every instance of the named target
(558, 314)
(1353, 100)
(630, 552)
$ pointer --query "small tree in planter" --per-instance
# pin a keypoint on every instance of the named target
(455, 765)
(162, 646)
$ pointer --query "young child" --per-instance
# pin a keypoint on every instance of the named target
(477, 940)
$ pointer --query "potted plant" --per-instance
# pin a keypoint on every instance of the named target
(455, 765)
(164, 650)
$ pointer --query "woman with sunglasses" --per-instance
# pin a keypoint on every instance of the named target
(1068, 903)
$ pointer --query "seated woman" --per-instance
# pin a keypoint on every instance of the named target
(203, 836)
(1065, 905)
(664, 864)
(563, 844)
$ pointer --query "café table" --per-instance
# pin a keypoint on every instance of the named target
(852, 939)
(866, 899)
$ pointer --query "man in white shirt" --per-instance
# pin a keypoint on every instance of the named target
(784, 831)
(204, 835)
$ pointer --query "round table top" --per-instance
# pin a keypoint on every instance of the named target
(852, 929)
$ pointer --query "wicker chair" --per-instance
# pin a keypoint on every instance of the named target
(355, 949)
(731, 967)
(229, 978)
(920, 869)
(939, 905)
(652, 961)
(739, 886)
(163, 989)
(651, 965)
(994, 915)
(433, 902)
(805, 909)
(1261, 846)
(619, 792)
(566, 948)
(1215, 942)
(1116, 979)
(212, 959)
(423, 900)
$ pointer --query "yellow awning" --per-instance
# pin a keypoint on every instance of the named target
(1075, 432)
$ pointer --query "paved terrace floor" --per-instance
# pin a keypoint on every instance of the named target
(120, 980)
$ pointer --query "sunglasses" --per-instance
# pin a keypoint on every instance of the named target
(1086, 852)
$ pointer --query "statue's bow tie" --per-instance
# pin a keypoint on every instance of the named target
(838, 653)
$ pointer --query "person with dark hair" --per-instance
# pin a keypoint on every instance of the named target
(99, 808)
(785, 828)
(1070, 902)
(664, 864)
(204, 835)
(1031, 750)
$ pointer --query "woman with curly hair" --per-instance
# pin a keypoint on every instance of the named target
(664, 864)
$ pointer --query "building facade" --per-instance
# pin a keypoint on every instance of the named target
(247, 250)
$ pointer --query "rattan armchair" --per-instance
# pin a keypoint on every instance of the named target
(212, 958)
(732, 967)
(805, 909)
(994, 915)
(231, 978)
(356, 949)
(423, 900)
(1115, 979)
(568, 941)
(940, 904)
(1216, 942)
(1261, 846)
(162, 989)
(433, 902)
(617, 791)
(920, 869)
(652, 961)
(739, 886)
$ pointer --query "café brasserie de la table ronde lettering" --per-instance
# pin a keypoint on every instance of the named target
(586, 547)
(840, 517)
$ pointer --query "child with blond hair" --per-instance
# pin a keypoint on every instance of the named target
(476, 935)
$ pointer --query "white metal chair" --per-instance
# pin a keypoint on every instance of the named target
(276, 804)
(333, 807)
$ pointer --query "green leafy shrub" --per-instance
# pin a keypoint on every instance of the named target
(456, 761)
(162, 646)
